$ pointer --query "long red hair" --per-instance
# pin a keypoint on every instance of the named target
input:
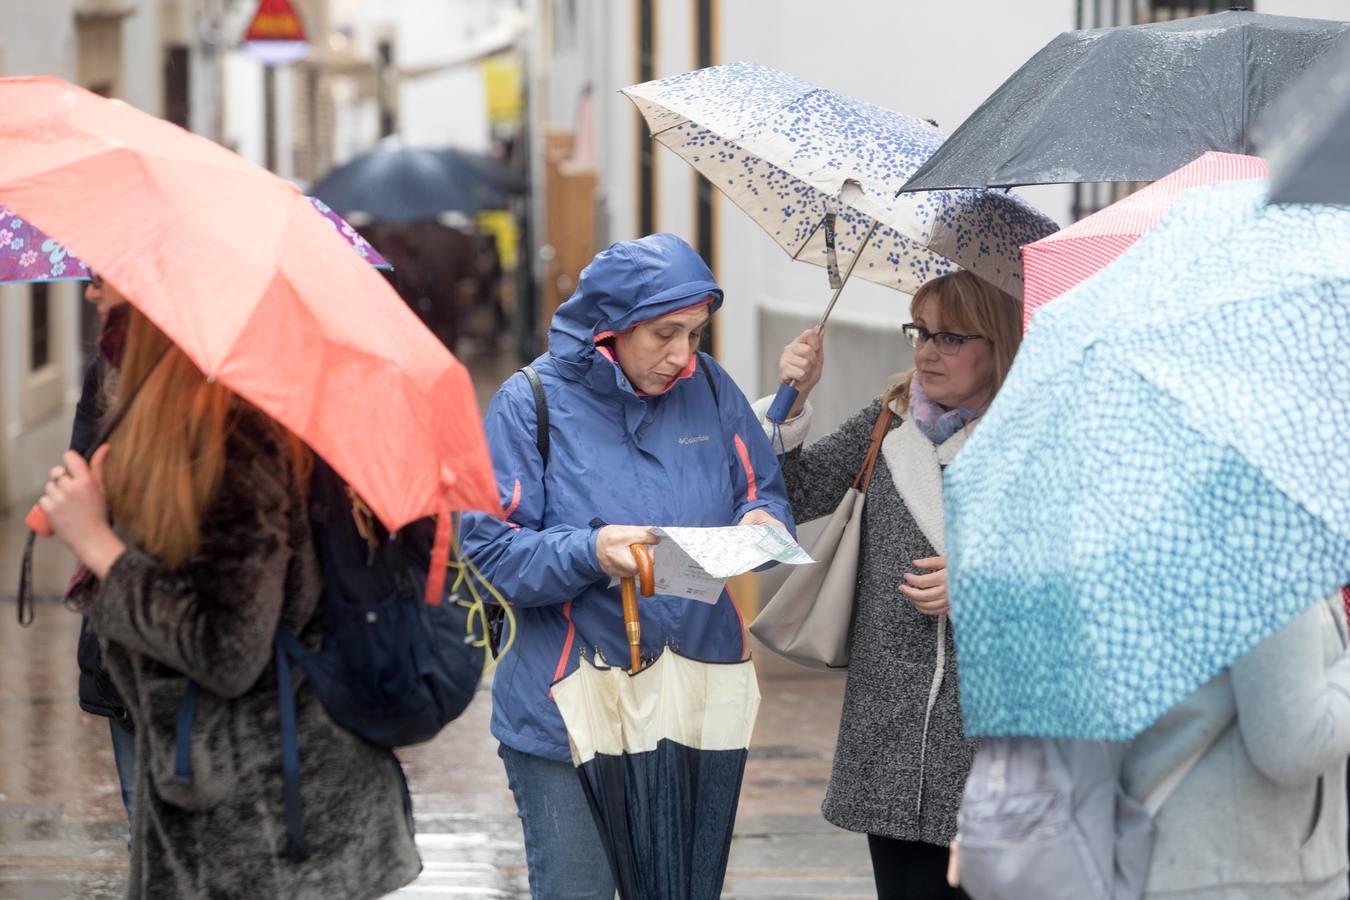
(166, 458)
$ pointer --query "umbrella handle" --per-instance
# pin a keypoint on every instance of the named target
(782, 403)
(787, 392)
(628, 588)
(36, 520)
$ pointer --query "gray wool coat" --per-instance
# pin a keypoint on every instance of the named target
(213, 620)
(902, 757)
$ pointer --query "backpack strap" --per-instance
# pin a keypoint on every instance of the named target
(540, 412)
(712, 385)
(290, 746)
(187, 711)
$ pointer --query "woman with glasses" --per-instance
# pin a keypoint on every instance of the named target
(901, 760)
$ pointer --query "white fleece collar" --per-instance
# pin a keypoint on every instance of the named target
(915, 464)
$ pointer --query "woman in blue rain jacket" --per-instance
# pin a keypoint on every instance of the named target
(643, 431)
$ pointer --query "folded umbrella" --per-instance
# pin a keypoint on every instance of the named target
(27, 254)
(1056, 263)
(1130, 103)
(242, 272)
(661, 752)
(819, 172)
(1162, 480)
(1306, 134)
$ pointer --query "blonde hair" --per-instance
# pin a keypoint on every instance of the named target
(969, 305)
(166, 458)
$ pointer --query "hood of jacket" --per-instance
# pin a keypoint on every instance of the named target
(627, 283)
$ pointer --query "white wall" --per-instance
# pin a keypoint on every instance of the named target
(447, 108)
(1337, 10)
(143, 59)
(38, 38)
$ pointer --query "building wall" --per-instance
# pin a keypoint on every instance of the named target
(110, 45)
(38, 38)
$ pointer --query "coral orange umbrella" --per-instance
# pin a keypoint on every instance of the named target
(243, 274)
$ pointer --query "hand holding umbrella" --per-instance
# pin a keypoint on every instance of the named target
(801, 366)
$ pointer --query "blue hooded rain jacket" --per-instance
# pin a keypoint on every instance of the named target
(679, 458)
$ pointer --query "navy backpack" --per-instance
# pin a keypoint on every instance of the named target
(391, 668)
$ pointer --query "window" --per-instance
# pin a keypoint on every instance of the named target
(40, 327)
(177, 98)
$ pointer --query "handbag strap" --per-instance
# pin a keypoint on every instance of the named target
(864, 477)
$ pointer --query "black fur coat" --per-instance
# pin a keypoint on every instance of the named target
(224, 835)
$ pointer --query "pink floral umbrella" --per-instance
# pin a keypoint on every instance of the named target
(28, 254)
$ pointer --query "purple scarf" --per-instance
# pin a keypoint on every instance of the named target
(937, 422)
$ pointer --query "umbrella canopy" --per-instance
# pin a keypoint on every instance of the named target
(27, 254)
(396, 183)
(1162, 481)
(1130, 103)
(1056, 263)
(789, 153)
(661, 754)
(1306, 134)
(239, 269)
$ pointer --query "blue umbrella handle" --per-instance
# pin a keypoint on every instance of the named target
(781, 407)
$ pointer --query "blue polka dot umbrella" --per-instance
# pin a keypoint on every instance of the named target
(1164, 479)
(819, 172)
(783, 150)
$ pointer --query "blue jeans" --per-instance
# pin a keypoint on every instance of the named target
(124, 755)
(562, 846)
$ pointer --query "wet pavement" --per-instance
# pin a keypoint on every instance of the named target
(63, 830)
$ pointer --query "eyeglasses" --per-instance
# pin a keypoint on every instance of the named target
(948, 343)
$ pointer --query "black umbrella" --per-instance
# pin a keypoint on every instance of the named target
(395, 183)
(661, 752)
(1131, 103)
(1306, 134)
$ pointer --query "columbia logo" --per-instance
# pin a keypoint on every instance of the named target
(694, 439)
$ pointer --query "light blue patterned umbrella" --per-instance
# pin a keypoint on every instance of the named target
(813, 167)
(1164, 479)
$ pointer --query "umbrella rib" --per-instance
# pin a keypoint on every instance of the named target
(796, 255)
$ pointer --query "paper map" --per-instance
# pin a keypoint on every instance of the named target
(695, 562)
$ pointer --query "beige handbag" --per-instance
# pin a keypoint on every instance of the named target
(809, 619)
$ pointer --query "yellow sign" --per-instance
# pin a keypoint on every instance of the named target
(501, 80)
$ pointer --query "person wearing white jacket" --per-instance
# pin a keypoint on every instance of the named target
(1262, 814)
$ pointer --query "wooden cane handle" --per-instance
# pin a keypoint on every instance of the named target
(628, 589)
(642, 555)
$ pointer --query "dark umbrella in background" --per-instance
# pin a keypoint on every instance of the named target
(397, 183)
(661, 753)
(1131, 103)
(1306, 134)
